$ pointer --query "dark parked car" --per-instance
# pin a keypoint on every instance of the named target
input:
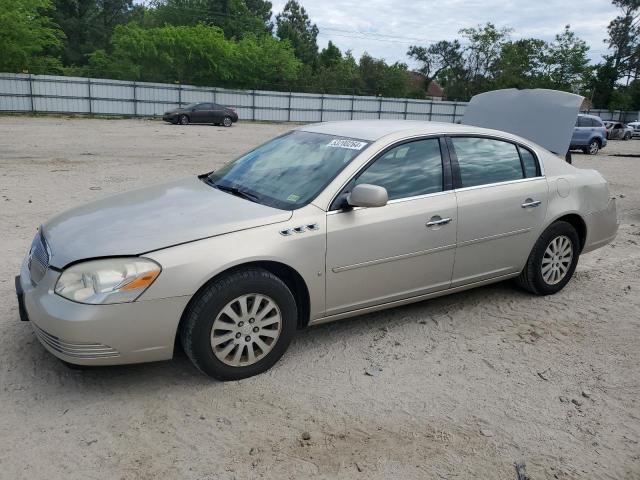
(202, 113)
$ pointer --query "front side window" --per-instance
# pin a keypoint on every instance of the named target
(408, 170)
(483, 161)
(289, 171)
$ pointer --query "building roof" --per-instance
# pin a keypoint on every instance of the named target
(417, 80)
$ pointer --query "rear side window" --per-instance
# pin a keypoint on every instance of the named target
(529, 163)
(408, 170)
(484, 160)
(584, 122)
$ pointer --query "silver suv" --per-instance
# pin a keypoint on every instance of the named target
(589, 134)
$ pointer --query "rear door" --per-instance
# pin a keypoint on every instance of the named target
(202, 113)
(218, 113)
(502, 201)
(582, 132)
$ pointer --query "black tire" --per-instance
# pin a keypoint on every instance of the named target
(183, 120)
(196, 329)
(227, 122)
(567, 157)
(593, 148)
(627, 136)
(531, 277)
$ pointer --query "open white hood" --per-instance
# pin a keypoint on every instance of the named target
(546, 117)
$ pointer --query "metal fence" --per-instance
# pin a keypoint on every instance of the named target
(616, 115)
(56, 94)
(53, 94)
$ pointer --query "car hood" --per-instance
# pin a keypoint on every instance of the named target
(151, 218)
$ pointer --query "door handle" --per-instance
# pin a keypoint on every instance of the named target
(529, 203)
(436, 221)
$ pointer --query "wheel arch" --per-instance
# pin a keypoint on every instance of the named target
(577, 222)
(290, 276)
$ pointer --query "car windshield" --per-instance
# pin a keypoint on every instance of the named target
(288, 171)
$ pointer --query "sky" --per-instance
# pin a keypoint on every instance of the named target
(386, 28)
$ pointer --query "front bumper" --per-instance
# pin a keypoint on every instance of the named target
(172, 117)
(141, 331)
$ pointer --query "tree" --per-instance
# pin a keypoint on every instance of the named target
(28, 37)
(436, 58)
(624, 40)
(89, 24)
(568, 64)
(236, 18)
(521, 64)
(293, 24)
(381, 79)
(199, 55)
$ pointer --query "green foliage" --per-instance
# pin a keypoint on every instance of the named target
(89, 24)
(198, 55)
(236, 18)
(490, 60)
(294, 25)
(28, 37)
(381, 79)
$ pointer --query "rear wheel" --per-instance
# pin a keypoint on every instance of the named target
(227, 122)
(240, 325)
(184, 120)
(593, 148)
(552, 261)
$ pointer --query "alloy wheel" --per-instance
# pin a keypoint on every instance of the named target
(594, 147)
(556, 260)
(227, 122)
(246, 330)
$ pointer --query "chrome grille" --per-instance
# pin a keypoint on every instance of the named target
(74, 349)
(38, 258)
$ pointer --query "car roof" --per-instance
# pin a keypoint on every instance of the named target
(591, 116)
(372, 130)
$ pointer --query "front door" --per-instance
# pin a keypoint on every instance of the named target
(404, 249)
(502, 202)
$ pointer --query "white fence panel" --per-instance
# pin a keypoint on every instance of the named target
(49, 93)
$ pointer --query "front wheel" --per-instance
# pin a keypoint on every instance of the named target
(239, 325)
(627, 136)
(184, 120)
(552, 261)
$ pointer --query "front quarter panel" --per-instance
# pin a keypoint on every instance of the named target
(186, 268)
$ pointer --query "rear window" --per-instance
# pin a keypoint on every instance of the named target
(529, 163)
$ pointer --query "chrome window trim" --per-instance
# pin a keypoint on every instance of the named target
(496, 184)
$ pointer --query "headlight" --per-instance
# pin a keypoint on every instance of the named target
(113, 280)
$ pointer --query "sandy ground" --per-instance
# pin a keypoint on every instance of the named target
(469, 384)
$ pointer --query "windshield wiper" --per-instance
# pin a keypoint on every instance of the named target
(237, 192)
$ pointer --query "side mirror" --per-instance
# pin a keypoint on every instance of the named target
(366, 195)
